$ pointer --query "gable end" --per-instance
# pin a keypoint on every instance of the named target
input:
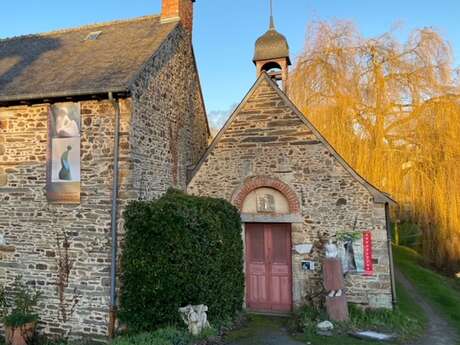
(378, 196)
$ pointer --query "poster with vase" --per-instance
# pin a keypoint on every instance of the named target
(63, 177)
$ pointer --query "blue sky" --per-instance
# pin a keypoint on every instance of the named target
(225, 31)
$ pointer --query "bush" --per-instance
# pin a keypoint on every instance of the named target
(408, 234)
(180, 249)
(18, 302)
(165, 336)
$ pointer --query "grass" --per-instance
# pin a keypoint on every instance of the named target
(255, 325)
(442, 292)
(407, 321)
(165, 336)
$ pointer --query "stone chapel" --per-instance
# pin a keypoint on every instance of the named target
(294, 192)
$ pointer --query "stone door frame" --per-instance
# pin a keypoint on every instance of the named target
(293, 217)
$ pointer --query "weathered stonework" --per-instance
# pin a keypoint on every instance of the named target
(163, 130)
(267, 141)
(169, 127)
(3, 178)
(32, 225)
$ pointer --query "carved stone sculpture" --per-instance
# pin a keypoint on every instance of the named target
(331, 250)
(266, 203)
(195, 318)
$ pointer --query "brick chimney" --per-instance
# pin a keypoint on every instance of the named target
(174, 10)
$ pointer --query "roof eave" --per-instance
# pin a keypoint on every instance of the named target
(256, 59)
(383, 198)
(65, 94)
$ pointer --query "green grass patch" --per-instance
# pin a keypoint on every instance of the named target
(165, 336)
(407, 322)
(441, 291)
(256, 324)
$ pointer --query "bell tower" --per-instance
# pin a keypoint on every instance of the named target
(272, 54)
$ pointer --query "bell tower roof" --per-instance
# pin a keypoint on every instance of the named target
(271, 45)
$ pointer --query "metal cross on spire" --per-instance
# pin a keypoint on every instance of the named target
(272, 21)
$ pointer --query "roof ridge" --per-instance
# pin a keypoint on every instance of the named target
(82, 27)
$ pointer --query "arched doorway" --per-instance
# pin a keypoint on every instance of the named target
(267, 206)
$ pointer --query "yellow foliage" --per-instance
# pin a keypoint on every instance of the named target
(392, 110)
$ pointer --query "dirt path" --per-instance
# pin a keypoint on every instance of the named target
(439, 331)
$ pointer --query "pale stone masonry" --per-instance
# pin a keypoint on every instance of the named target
(267, 143)
(163, 131)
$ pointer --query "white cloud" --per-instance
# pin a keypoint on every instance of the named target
(217, 118)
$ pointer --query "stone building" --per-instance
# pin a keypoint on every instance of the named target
(91, 118)
(294, 192)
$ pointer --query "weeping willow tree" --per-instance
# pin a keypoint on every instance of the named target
(393, 111)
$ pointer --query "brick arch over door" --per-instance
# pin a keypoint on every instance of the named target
(254, 183)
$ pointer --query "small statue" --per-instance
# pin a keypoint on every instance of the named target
(195, 318)
(331, 250)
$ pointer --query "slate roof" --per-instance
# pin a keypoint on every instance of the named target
(63, 63)
(378, 196)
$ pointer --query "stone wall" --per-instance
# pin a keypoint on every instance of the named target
(169, 132)
(163, 131)
(268, 141)
(32, 227)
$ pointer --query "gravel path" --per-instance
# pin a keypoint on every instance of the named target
(439, 331)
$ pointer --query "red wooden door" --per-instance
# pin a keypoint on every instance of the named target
(268, 267)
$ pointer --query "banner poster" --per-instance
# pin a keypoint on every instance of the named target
(367, 245)
(356, 253)
(63, 158)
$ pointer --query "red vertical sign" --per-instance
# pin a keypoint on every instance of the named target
(367, 248)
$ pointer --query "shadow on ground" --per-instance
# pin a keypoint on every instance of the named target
(262, 330)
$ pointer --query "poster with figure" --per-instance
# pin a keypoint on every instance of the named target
(358, 251)
(63, 180)
(355, 252)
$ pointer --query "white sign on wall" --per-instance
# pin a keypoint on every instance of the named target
(304, 248)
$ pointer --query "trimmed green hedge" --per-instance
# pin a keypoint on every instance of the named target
(180, 249)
